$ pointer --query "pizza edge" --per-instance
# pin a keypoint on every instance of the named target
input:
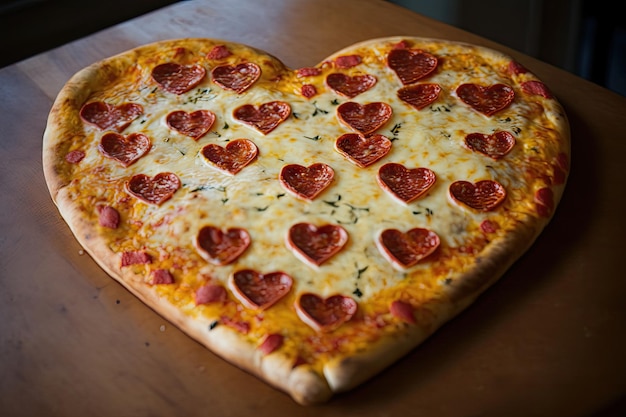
(63, 116)
(341, 374)
(303, 384)
(58, 136)
(346, 373)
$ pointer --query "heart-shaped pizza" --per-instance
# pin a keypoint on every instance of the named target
(310, 225)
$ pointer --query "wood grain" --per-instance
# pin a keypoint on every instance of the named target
(547, 340)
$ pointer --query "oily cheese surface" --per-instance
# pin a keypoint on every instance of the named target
(475, 246)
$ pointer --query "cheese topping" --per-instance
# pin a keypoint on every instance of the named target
(255, 200)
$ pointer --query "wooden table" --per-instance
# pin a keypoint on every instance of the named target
(548, 340)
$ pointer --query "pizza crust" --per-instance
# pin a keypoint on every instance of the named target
(306, 384)
(303, 384)
(343, 374)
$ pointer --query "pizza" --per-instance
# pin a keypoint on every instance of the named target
(310, 226)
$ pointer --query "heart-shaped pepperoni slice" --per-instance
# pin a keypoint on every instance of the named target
(233, 157)
(238, 77)
(264, 118)
(487, 100)
(315, 245)
(155, 190)
(325, 315)
(404, 250)
(350, 86)
(221, 247)
(495, 146)
(106, 116)
(177, 78)
(195, 124)
(405, 184)
(124, 149)
(306, 182)
(419, 95)
(363, 150)
(411, 65)
(364, 119)
(484, 195)
(259, 291)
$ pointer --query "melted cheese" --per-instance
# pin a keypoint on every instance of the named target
(255, 200)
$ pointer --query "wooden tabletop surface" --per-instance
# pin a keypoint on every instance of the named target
(549, 339)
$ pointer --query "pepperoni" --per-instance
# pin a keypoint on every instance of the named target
(419, 95)
(404, 250)
(74, 157)
(487, 100)
(403, 311)
(495, 146)
(135, 258)
(124, 149)
(306, 182)
(195, 124)
(411, 65)
(260, 291)
(325, 315)
(271, 343)
(308, 72)
(536, 88)
(363, 150)
(236, 77)
(210, 293)
(299, 361)
(515, 68)
(315, 245)
(221, 247)
(180, 52)
(308, 90)
(177, 78)
(403, 44)
(558, 176)
(403, 183)
(544, 197)
(347, 61)
(108, 217)
(219, 52)
(240, 326)
(484, 195)
(364, 119)
(106, 116)
(488, 226)
(543, 211)
(232, 158)
(161, 277)
(155, 190)
(264, 118)
(560, 169)
(350, 86)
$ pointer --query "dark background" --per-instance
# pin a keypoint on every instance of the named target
(584, 37)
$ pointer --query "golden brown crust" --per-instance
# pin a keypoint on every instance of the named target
(346, 373)
(303, 384)
(307, 383)
(60, 128)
